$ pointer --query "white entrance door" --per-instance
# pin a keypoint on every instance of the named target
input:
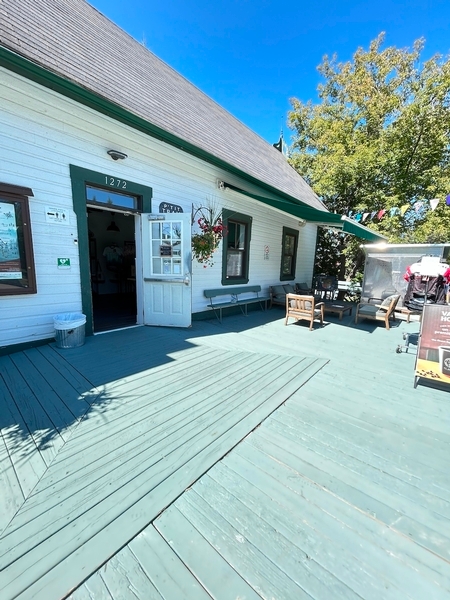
(166, 262)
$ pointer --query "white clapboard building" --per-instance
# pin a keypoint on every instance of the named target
(106, 154)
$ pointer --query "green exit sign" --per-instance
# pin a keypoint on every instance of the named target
(63, 263)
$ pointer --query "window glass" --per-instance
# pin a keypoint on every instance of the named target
(289, 254)
(110, 197)
(17, 275)
(166, 248)
(236, 247)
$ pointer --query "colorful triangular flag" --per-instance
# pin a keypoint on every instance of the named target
(433, 203)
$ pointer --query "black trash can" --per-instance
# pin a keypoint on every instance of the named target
(69, 330)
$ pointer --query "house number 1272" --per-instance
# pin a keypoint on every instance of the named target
(117, 183)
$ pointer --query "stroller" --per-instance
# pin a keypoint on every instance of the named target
(409, 338)
(421, 290)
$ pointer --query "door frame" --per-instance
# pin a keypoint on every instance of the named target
(79, 178)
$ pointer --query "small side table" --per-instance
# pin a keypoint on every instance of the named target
(408, 312)
(339, 308)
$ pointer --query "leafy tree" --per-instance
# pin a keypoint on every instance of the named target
(379, 140)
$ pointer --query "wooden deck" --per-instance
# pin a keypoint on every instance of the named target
(142, 451)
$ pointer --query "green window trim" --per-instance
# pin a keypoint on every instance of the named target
(289, 246)
(231, 217)
(80, 178)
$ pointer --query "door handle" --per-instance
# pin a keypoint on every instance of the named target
(165, 280)
(186, 279)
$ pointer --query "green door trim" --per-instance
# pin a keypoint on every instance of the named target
(79, 178)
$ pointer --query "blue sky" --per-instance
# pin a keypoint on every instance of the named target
(251, 56)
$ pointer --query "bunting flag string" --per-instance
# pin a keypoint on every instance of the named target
(433, 203)
(419, 205)
(403, 209)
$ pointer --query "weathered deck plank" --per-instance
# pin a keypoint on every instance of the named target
(136, 450)
(269, 559)
(94, 589)
(318, 472)
(22, 449)
(366, 457)
(169, 574)
(341, 460)
(11, 496)
(216, 575)
(356, 548)
(63, 371)
(72, 530)
(62, 419)
(353, 487)
(125, 572)
(41, 427)
(357, 435)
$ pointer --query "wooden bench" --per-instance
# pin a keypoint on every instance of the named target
(235, 298)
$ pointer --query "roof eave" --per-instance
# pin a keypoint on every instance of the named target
(35, 72)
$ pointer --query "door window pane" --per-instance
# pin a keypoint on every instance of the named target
(166, 248)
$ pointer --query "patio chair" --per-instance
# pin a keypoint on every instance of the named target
(303, 288)
(378, 312)
(303, 307)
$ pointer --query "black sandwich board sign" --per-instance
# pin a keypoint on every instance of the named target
(433, 349)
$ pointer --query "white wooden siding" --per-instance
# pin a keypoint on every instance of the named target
(42, 133)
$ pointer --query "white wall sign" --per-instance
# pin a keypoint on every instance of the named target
(56, 215)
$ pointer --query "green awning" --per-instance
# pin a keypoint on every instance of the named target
(355, 228)
(309, 214)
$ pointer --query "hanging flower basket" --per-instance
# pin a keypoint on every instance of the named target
(207, 240)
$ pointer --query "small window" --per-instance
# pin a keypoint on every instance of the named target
(236, 248)
(99, 196)
(288, 254)
(17, 275)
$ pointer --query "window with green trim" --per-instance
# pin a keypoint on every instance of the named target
(236, 247)
(288, 254)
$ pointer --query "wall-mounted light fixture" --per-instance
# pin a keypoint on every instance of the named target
(301, 222)
(117, 155)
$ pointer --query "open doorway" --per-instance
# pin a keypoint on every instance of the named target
(112, 254)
